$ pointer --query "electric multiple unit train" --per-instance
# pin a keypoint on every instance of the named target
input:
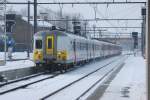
(59, 47)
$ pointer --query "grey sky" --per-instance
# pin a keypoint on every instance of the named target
(104, 11)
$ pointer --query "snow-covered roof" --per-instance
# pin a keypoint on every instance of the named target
(40, 23)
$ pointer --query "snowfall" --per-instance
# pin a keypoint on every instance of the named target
(129, 83)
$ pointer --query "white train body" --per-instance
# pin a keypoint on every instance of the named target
(64, 48)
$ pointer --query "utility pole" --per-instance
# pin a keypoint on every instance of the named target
(29, 46)
(143, 11)
(148, 48)
(94, 30)
(35, 16)
(85, 27)
(100, 34)
(67, 26)
(5, 45)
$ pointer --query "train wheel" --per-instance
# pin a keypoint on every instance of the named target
(60, 68)
(37, 65)
(66, 67)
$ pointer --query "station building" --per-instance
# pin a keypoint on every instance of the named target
(22, 32)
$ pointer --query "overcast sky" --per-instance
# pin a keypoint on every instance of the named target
(103, 11)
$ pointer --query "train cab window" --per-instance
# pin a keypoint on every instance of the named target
(38, 44)
(49, 43)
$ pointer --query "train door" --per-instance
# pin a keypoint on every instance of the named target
(50, 45)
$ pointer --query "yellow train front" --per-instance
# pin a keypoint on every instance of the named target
(45, 48)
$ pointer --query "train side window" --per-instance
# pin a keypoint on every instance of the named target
(38, 44)
(49, 43)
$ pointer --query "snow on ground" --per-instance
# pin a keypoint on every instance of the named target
(20, 83)
(16, 55)
(45, 87)
(74, 91)
(11, 65)
(130, 82)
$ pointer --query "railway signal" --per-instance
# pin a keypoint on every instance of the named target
(135, 39)
(10, 22)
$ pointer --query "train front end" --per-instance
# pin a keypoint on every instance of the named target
(49, 48)
(38, 50)
(44, 49)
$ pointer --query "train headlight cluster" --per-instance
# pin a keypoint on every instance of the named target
(37, 55)
(62, 55)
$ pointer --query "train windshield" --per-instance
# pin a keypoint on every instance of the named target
(38, 44)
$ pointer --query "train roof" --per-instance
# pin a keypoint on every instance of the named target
(73, 36)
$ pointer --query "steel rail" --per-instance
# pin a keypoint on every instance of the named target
(98, 81)
(30, 83)
(68, 85)
(25, 85)
(29, 77)
(22, 79)
(99, 19)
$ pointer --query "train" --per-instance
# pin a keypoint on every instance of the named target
(63, 48)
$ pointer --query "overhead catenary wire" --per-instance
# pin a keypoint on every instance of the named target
(76, 3)
(92, 3)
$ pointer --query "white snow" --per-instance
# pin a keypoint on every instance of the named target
(16, 55)
(24, 82)
(74, 91)
(11, 65)
(45, 87)
(40, 23)
(131, 78)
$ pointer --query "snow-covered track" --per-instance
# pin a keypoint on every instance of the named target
(17, 59)
(81, 78)
(113, 70)
(61, 79)
(27, 84)
(22, 79)
(52, 75)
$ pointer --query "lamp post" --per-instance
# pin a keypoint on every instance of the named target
(35, 16)
(5, 29)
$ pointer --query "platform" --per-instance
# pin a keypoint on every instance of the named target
(19, 60)
(130, 82)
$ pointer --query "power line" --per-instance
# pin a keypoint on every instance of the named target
(114, 27)
(98, 19)
(74, 3)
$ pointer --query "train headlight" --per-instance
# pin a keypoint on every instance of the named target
(62, 55)
(36, 52)
(39, 53)
(59, 53)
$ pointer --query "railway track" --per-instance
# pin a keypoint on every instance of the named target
(85, 76)
(17, 59)
(22, 79)
(113, 70)
(54, 74)
(4, 91)
(26, 84)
